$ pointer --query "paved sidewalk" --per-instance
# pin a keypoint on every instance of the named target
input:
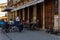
(3, 36)
(30, 35)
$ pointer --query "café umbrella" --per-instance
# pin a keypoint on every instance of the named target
(7, 9)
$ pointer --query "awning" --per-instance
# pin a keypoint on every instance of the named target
(8, 9)
(4, 17)
(34, 2)
(18, 8)
(28, 4)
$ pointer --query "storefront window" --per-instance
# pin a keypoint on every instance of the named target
(11, 1)
(56, 7)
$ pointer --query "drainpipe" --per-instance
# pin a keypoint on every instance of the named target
(43, 17)
(14, 15)
(23, 14)
(28, 12)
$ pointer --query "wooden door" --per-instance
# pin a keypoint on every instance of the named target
(26, 13)
(21, 14)
(49, 14)
(31, 12)
(40, 14)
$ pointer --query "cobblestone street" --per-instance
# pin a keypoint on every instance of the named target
(28, 35)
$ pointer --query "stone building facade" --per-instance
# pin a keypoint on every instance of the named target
(46, 11)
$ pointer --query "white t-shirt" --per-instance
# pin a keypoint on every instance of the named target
(17, 19)
(11, 22)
